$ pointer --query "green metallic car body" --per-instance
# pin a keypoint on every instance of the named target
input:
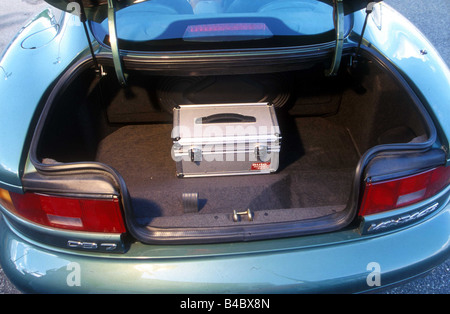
(409, 241)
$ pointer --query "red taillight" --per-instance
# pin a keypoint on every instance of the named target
(92, 215)
(386, 195)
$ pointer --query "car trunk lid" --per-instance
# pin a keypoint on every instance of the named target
(98, 11)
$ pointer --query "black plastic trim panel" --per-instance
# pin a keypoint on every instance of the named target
(388, 166)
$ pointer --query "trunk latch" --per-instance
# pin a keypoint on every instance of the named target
(247, 213)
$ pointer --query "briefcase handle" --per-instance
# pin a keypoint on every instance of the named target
(225, 118)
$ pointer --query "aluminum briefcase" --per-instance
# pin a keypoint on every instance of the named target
(225, 139)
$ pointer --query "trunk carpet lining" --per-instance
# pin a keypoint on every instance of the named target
(317, 163)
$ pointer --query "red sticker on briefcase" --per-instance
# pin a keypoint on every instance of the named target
(260, 166)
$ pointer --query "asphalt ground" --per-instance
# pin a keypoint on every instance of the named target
(430, 16)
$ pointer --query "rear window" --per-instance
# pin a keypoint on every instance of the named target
(173, 25)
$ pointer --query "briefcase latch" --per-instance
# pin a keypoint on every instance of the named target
(262, 153)
(196, 154)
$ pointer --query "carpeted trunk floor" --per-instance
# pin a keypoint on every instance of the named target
(317, 163)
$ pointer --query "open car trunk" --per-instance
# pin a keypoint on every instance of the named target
(327, 124)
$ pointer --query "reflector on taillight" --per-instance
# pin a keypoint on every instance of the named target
(5, 199)
(83, 214)
(387, 195)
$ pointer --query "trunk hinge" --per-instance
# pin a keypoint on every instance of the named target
(113, 40)
(83, 20)
(338, 19)
(369, 9)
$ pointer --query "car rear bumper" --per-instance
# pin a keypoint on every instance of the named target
(350, 265)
